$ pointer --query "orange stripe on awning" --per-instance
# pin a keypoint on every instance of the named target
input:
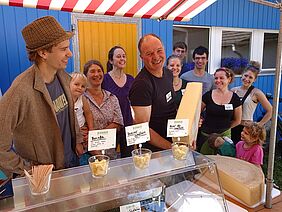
(112, 10)
(43, 4)
(189, 10)
(17, 3)
(92, 7)
(69, 5)
(155, 9)
(135, 8)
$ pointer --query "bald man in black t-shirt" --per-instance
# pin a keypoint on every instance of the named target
(152, 95)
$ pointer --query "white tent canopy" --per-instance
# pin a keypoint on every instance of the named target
(178, 10)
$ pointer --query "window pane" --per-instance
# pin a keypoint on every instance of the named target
(269, 50)
(193, 37)
(236, 44)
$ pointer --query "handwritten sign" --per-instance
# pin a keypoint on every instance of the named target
(101, 139)
(138, 133)
(177, 127)
(133, 207)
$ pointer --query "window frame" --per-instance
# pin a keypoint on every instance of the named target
(256, 45)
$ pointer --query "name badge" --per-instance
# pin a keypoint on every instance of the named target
(228, 107)
(168, 96)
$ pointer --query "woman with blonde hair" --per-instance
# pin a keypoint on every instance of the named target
(250, 97)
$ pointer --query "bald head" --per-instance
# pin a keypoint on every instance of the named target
(152, 53)
(145, 38)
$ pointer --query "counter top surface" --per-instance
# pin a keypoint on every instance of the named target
(75, 185)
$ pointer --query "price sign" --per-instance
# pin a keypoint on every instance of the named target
(101, 139)
(138, 133)
(177, 127)
(133, 207)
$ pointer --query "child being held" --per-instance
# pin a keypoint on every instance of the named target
(81, 106)
(216, 144)
(250, 146)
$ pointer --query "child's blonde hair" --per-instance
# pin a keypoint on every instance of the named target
(75, 75)
(257, 132)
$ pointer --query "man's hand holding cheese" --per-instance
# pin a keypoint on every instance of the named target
(152, 95)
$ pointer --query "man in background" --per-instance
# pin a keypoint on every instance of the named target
(199, 73)
(180, 49)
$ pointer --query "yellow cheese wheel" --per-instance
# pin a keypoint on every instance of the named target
(241, 179)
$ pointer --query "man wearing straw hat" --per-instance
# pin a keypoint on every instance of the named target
(37, 120)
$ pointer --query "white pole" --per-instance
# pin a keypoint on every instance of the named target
(271, 156)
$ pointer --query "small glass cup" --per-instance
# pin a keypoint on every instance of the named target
(141, 159)
(180, 150)
(99, 165)
(41, 187)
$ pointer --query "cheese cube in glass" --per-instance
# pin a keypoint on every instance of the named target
(99, 165)
(180, 150)
(141, 158)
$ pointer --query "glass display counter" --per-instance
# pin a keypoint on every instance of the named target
(166, 185)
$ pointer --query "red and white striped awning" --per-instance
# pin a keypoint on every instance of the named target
(178, 10)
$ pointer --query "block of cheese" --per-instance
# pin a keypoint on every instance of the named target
(190, 108)
(241, 179)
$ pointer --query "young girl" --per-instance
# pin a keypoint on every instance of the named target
(81, 106)
(250, 146)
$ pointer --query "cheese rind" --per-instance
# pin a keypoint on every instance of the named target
(190, 108)
(241, 179)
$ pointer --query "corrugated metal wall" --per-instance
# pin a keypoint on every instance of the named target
(163, 29)
(13, 57)
(237, 13)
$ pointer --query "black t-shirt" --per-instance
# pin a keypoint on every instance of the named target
(218, 118)
(148, 90)
(180, 92)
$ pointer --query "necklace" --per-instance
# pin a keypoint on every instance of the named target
(176, 84)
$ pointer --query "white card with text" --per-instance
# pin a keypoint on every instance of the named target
(177, 127)
(101, 139)
(137, 134)
(133, 207)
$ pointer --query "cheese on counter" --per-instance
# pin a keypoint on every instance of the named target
(190, 108)
(241, 179)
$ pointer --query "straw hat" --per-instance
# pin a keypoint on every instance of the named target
(43, 33)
